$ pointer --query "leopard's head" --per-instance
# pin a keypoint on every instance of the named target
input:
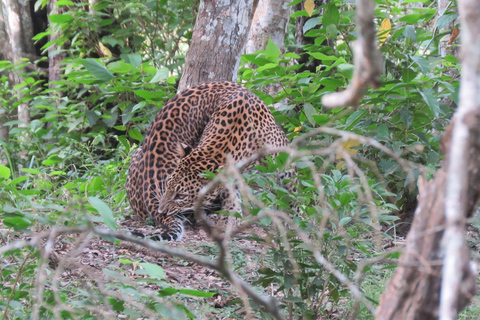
(183, 186)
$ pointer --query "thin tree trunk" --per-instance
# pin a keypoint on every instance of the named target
(218, 40)
(20, 32)
(5, 54)
(445, 44)
(269, 21)
(54, 56)
(463, 177)
(437, 237)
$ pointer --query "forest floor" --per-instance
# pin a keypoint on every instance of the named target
(90, 262)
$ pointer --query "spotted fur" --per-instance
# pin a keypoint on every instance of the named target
(192, 133)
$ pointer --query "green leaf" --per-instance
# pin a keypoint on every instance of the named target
(60, 18)
(345, 220)
(120, 67)
(160, 75)
(309, 111)
(446, 19)
(104, 211)
(16, 180)
(196, 293)
(64, 3)
(135, 134)
(411, 18)
(422, 63)
(450, 58)
(311, 23)
(291, 55)
(408, 75)
(150, 95)
(97, 69)
(331, 15)
(167, 292)
(57, 173)
(117, 305)
(409, 32)
(152, 270)
(406, 117)
(271, 51)
(135, 59)
(346, 69)
(431, 102)
(332, 30)
(321, 119)
(111, 119)
(267, 66)
(92, 117)
(382, 131)
(354, 118)
(32, 171)
(4, 172)
(321, 56)
(17, 222)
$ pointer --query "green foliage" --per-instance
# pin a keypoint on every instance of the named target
(406, 114)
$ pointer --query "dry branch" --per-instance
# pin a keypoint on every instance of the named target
(367, 60)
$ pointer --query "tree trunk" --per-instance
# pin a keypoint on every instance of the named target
(437, 237)
(445, 45)
(463, 175)
(19, 29)
(218, 40)
(5, 54)
(269, 21)
(54, 56)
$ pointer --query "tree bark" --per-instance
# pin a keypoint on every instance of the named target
(269, 21)
(218, 40)
(463, 177)
(445, 44)
(437, 237)
(5, 54)
(54, 56)
(19, 29)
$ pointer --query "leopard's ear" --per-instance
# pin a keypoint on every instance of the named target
(183, 149)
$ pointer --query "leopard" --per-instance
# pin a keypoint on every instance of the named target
(196, 131)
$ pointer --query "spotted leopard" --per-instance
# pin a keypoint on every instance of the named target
(194, 132)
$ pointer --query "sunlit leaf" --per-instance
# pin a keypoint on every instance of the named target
(384, 30)
(309, 6)
(4, 172)
(271, 51)
(60, 18)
